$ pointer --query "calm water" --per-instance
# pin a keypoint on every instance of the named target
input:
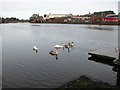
(24, 68)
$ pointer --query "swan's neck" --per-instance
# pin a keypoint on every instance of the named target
(56, 50)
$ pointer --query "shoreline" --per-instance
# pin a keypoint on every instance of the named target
(84, 23)
(86, 82)
(70, 23)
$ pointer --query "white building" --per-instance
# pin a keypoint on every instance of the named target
(56, 15)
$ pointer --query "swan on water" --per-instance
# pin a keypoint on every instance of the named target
(54, 53)
(116, 50)
(67, 46)
(71, 44)
(35, 47)
(58, 46)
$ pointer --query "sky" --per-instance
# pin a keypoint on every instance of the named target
(23, 9)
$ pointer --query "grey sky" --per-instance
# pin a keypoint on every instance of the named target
(25, 8)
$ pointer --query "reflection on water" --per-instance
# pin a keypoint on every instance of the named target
(56, 56)
(0, 58)
(118, 78)
(99, 28)
(35, 25)
(23, 67)
(117, 69)
(36, 51)
(101, 60)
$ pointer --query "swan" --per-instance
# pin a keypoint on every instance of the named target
(54, 52)
(67, 46)
(35, 48)
(71, 44)
(58, 46)
(116, 50)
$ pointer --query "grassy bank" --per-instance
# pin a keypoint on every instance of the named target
(85, 82)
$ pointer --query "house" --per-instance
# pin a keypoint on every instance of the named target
(102, 13)
(56, 15)
(82, 18)
(111, 17)
(98, 16)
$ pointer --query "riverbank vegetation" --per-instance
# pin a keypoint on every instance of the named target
(12, 20)
(85, 82)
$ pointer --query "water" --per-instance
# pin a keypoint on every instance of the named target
(0, 59)
(24, 68)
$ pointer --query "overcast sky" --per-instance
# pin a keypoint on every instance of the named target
(23, 9)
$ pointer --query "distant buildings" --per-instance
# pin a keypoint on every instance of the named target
(82, 19)
(49, 16)
(96, 17)
(35, 18)
(102, 13)
(111, 17)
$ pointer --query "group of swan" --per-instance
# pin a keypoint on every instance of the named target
(69, 45)
(64, 46)
(55, 52)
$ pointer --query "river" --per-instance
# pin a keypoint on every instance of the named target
(24, 68)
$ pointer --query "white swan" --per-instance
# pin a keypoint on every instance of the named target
(116, 50)
(58, 46)
(35, 48)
